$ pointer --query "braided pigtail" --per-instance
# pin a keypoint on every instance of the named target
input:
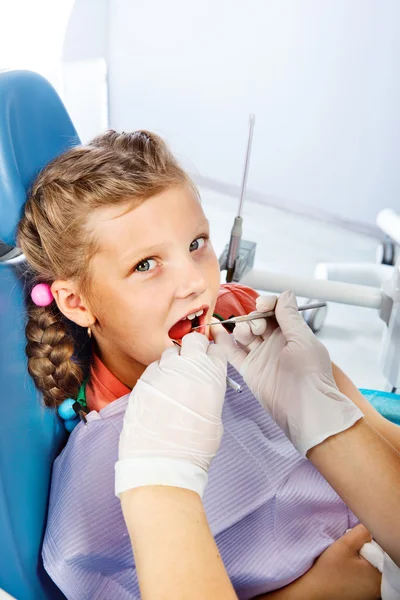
(50, 348)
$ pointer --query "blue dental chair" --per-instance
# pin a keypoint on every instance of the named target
(34, 128)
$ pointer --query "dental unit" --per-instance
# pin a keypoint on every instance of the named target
(238, 261)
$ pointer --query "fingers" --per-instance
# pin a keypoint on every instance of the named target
(289, 319)
(168, 353)
(219, 333)
(243, 333)
(193, 343)
(266, 303)
(218, 351)
(258, 327)
(357, 537)
(222, 338)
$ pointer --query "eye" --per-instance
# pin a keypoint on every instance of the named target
(198, 243)
(145, 265)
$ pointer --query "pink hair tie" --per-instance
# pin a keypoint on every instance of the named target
(42, 295)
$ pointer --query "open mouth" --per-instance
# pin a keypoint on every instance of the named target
(184, 326)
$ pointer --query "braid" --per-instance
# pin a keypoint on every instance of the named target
(49, 350)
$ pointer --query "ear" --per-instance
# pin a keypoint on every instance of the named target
(71, 303)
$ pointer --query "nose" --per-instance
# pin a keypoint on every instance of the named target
(190, 280)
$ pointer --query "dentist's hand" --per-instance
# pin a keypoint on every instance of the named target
(289, 371)
(172, 427)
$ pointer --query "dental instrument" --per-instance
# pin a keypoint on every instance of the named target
(259, 315)
(233, 384)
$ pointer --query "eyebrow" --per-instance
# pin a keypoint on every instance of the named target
(149, 250)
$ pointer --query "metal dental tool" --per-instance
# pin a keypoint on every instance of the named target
(233, 384)
(259, 315)
(229, 259)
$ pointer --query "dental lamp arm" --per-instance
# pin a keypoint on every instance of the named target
(330, 291)
(389, 222)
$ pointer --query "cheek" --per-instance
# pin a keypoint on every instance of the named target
(127, 312)
(214, 276)
(145, 337)
(147, 313)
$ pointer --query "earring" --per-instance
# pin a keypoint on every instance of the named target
(89, 332)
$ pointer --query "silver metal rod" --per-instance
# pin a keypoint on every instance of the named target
(246, 164)
(260, 315)
(236, 233)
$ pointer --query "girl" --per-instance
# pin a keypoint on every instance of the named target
(116, 228)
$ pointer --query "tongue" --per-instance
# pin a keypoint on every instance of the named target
(182, 328)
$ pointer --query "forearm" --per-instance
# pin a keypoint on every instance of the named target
(390, 431)
(365, 471)
(175, 554)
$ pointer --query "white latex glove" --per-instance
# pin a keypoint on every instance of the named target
(172, 427)
(289, 371)
(390, 587)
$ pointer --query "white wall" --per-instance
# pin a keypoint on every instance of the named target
(85, 95)
(84, 68)
(86, 36)
(31, 35)
(322, 76)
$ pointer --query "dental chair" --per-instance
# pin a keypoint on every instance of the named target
(34, 128)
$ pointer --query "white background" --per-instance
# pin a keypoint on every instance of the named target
(322, 76)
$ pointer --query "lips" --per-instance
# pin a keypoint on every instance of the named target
(184, 325)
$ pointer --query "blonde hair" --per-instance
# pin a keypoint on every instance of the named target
(114, 168)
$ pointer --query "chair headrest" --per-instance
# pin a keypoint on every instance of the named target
(34, 129)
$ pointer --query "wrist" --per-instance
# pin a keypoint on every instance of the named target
(321, 413)
(337, 445)
(132, 473)
(154, 502)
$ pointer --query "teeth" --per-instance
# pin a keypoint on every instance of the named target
(193, 315)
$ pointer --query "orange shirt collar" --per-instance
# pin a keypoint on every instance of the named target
(103, 387)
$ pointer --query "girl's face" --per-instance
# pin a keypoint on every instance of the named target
(155, 266)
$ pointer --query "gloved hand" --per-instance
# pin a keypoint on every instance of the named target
(390, 588)
(289, 372)
(172, 427)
